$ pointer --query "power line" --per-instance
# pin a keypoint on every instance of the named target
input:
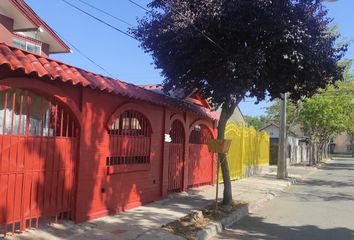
(186, 18)
(99, 20)
(140, 6)
(107, 13)
(84, 55)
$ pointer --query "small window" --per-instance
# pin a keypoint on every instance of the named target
(30, 47)
(130, 140)
(19, 43)
(350, 148)
(27, 45)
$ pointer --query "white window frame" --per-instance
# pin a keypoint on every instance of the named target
(34, 45)
(27, 43)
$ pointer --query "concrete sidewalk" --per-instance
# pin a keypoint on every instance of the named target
(145, 222)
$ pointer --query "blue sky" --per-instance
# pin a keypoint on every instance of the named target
(120, 55)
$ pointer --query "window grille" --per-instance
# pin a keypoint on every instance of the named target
(177, 132)
(23, 112)
(130, 140)
(200, 135)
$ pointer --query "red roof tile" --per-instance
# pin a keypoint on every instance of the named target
(29, 63)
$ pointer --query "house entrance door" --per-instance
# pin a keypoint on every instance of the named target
(176, 158)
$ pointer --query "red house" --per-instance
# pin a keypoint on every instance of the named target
(78, 145)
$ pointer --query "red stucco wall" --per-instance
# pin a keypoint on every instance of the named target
(97, 193)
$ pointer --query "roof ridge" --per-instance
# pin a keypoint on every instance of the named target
(94, 81)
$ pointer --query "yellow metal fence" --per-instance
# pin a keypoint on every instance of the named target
(249, 148)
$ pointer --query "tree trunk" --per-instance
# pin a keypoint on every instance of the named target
(312, 154)
(320, 151)
(309, 153)
(316, 153)
(327, 148)
(226, 112)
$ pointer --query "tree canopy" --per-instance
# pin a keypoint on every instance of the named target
(257, 121)
(328, 114)
(229, 49)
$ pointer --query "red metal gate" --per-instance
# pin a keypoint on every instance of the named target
(38, 145)
(176, 158)
(201, 161)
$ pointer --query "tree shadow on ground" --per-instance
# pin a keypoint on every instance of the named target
(325, 190)
(255, 228)
(327, 183)
(324, 196)
(338, 166)
(125, 225)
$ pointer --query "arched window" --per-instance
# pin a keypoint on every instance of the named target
(25, 113)
(131, 123)
(130, 140)
(200, 135)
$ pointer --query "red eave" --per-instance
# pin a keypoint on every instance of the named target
(35, 19)
(196, 98)
(46, 68)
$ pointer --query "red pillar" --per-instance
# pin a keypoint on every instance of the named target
(186, 152)
(165, 151)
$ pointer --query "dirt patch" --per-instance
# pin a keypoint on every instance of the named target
(189, 225)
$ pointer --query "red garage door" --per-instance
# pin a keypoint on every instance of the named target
(201, 162)
(176, 158)
(38, 144)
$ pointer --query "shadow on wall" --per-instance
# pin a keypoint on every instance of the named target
(38, 164)
(252, 228)
(201, 165)
(102, 193)
(38, 152)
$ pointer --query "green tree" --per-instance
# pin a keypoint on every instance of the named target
(229, 49)
(292, 109)
(257, 121)
(326, 115)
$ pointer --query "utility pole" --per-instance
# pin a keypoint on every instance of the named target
(282, 171)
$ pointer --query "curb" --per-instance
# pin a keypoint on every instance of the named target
(215, 228)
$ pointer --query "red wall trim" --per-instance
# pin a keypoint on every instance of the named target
(179, 117)
(202, 122)
(125, 107)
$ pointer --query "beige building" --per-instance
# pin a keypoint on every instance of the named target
(343, 144)
(237, 116)
(297, 145)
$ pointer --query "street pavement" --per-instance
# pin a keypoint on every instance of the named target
(320, 207)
